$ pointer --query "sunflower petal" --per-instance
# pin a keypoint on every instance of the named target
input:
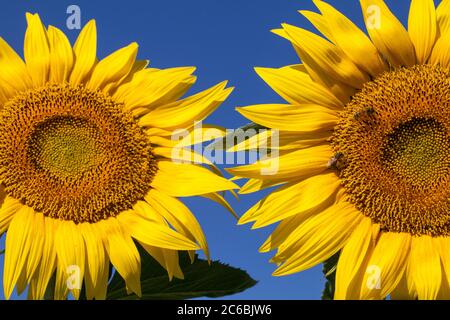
(298, 164)
(36, 50)
(425, 267)
(152, 233)
(422, 28)
(388, 34)
(185, 180)
(95, 253)
(114, 68)
(184, 113)
(70, 250)
(329, 57)
(304, 118)
(443, 17)
(441, 51)
(178, 215)
(318, 238)
(85, 51)
(18, 243)
(47, 264)
(352, 256)
(7, 211)
(320, 22)
(352, 40)
(14, 76)
(123, 254)
(297, 87)
(61, 55)
(150, 88)
(302, 197)
(386, 266)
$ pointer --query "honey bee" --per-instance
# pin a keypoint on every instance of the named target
(337, 162)
(365, 114)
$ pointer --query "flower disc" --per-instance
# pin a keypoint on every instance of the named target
(395, 140)
(73, 153)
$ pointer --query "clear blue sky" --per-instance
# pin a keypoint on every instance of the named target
(225, 39)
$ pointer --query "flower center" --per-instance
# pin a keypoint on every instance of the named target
(417, 152)
(393, 139)
(66, 147)
(73, 153)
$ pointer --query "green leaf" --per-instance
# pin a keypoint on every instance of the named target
(329, 270)
(201, 280)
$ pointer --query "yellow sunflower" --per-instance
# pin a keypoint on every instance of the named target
(85, 163)
(364, 152)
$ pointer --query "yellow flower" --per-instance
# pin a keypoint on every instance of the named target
(364, 152)
(85, 163)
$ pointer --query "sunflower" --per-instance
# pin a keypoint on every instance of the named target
(364, 152)
(86, 164)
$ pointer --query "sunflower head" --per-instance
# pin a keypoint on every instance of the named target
(364, 163)
(86, 165)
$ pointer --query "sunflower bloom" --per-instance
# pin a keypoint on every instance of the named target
(85, 164)
(364, 152)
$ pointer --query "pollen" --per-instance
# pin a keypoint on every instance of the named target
(73, 153)
(395, 138)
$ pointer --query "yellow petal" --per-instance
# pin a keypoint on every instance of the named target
(352, 40)
(114, 68)
(318, 238)
(14, 76)
(185, 180)
(441, 51)
(285, 140)
(152, 233)
(304, 118)
(61, 289)
(61, 55)
(386, 265)
(36, 50)
(327, 56)
(150, 88)
(7, 211)
(341, 90)
(182, 155)
(70, 250)
(282, 232)
(297, 87)
(123, 254)
(47, 264)
(422, 28)
(425, 267)
(168, 259)
(320, 22)
(293, 199)
(95, 253)
(183, 113)
(18, 243)
(85, 51)
(352, 257)
(178, 215)
(443, 17)
(37, 244)
(298, 164)
(388, 34)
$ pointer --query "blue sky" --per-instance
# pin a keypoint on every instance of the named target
(224, 40)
